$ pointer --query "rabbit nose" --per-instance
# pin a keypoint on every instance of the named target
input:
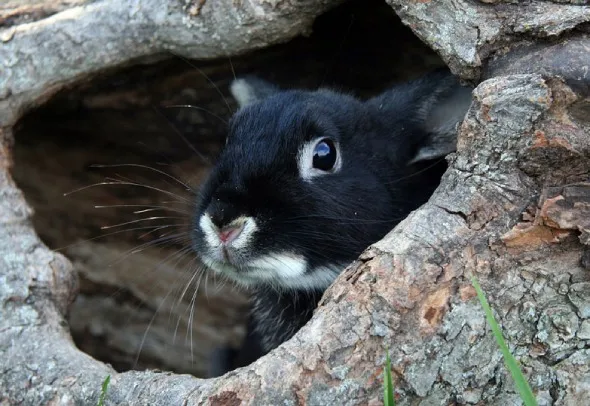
(222, 213)
(229, 233)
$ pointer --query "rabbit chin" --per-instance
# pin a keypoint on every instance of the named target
(281, 270)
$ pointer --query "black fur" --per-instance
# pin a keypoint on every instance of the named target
(332, 218)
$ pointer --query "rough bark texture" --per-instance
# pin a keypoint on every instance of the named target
(467, 33)
(512, 210)
(71, 44)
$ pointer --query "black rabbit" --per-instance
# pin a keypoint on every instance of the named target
(307, 181)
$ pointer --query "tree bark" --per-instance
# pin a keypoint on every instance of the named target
(512, 210)
(72, 43)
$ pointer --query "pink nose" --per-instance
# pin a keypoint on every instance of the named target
(230, 233)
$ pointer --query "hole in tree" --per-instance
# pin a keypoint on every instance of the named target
(137, 288)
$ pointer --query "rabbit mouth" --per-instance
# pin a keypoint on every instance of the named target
(270, 268)
(279, 270)
(243, 276)
(232, 258)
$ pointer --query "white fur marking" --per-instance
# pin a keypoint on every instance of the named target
(242, 92)
(283, 271)
(317, 278)
(210, 231)
(240, 242)
(283, 265)
(249, 228)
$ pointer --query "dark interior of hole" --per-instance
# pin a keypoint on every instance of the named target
(133, 291)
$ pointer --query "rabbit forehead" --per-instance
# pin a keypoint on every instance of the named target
(291, 117)
(268, 136)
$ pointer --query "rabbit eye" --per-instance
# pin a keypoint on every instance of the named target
(319, 157)
(324, 155)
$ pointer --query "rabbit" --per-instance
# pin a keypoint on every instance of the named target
(307, 181)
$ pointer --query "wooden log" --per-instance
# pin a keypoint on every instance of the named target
(512, 210)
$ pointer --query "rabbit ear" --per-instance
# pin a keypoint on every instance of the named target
(442, 113)
(249, 89)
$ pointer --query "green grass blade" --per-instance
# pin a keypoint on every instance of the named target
(388, 390)
(103, 393)
(521, 383)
